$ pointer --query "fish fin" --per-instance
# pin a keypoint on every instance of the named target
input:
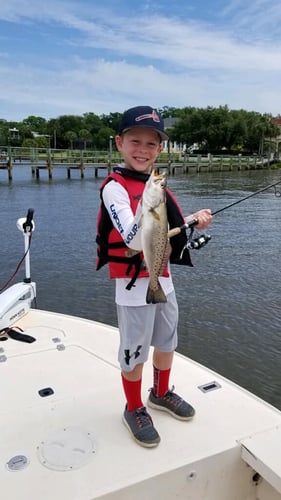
(143, 266)
(131, 252)
(154, 214)
(155, 296)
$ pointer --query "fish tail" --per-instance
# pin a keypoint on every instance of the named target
(155, 296)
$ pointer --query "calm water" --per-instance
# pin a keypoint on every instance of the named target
(230, 302)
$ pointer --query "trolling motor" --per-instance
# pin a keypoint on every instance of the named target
(26, 226)
(16, 301)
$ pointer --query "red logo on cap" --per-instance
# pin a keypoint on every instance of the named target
(154, 115)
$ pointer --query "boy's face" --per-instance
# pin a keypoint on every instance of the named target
(140, 148)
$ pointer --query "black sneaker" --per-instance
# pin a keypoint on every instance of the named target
(173, 404)
(140, 424)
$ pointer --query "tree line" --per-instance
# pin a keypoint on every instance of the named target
(211, 129)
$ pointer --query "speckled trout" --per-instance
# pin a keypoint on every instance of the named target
(154, 233)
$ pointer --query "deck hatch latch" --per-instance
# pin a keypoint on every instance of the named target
(18, 462)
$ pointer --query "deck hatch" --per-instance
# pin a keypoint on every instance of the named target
(262, 452)
(66, 449)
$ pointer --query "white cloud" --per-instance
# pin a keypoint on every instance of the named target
(104, 87)
(113, 62)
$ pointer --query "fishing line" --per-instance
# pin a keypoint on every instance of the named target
(202, 240)
(276, 193)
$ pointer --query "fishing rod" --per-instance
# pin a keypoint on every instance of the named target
(276, 193)
(202, 240)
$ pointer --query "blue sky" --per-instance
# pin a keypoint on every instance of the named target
(71, 57)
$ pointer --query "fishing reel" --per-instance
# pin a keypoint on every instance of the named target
(196, 243)
(199, 242)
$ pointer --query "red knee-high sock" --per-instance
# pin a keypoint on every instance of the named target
(132, 391)
(160, 381)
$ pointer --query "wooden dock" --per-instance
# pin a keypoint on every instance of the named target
(50, 160)
(100, 162)
(35, 169)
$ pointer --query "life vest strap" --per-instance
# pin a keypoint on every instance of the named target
(137, 263)
(117, 244)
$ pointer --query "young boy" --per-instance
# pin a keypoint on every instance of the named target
(141, 325)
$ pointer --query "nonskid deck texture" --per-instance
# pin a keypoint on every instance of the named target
(62, 436)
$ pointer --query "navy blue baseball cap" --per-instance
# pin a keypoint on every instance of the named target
(143, 117)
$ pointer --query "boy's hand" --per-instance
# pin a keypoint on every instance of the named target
(203, 216)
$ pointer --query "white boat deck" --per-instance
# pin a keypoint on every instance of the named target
(72, 445)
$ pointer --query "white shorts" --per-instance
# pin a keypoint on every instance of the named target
(143, 326)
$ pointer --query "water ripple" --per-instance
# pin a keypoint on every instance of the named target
(230, 302)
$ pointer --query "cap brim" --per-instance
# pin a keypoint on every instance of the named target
(163, 136)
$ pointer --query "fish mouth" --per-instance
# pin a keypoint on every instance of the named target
(160, 179)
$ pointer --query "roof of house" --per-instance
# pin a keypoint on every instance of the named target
(170, 122)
